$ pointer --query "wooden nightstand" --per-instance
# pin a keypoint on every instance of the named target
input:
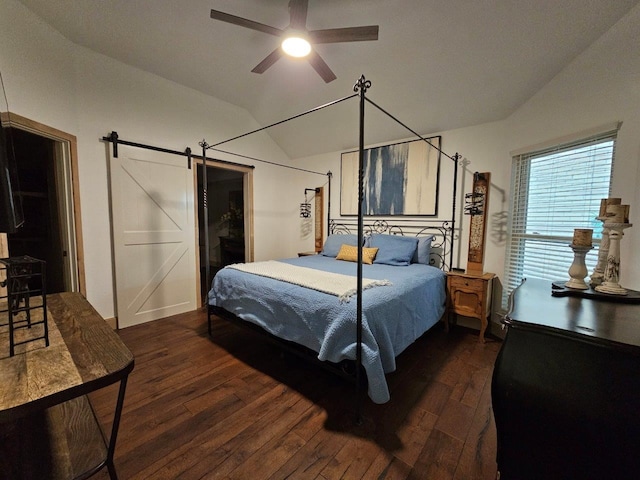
(306, 254)
(470, 295)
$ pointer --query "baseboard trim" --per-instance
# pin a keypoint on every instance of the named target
(112, 322)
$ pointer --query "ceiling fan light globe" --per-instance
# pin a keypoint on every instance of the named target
(296, 46)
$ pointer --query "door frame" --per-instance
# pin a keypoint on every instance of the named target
(66, 158)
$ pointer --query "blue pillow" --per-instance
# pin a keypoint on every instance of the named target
(393, 249)
(423, 252)
(333, 243)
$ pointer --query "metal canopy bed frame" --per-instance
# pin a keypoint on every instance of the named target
(443, 230)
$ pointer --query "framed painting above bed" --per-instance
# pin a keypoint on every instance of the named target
(399, 179)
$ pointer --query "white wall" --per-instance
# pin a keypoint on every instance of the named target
(53, 81)
(601, 86)
(37, 68)
(478, 147)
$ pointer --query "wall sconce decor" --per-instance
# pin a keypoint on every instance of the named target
(305, 208)
(473, 203)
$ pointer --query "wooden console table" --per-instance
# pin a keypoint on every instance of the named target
(47, 425)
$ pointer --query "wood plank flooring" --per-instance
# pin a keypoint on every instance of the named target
(234, 407)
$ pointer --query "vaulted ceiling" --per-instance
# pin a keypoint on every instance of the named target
(437, 65)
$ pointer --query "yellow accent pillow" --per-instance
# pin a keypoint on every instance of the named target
(350, 254)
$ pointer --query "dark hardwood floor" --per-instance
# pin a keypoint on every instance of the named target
(234, 407)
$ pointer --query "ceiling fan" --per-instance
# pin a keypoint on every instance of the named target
(297, 34)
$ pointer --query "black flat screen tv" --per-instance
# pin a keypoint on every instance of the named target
(11, 213)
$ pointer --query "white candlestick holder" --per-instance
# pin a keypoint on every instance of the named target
(578, 269)
(611, 279)
(597, 277)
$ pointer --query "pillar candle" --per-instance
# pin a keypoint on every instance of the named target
(603, 207)
(617, 214)
(582, 237)
(605, 202)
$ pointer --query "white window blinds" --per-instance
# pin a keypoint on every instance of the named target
(553, 192)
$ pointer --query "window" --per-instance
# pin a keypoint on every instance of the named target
(555, 190)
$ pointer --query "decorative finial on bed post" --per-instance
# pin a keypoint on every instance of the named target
(203, 144)
(362, 84)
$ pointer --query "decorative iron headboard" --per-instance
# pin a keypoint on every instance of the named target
(442, 232)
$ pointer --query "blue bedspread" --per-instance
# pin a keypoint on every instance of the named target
(393, 316)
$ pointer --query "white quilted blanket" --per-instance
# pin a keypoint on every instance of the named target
(342, 286)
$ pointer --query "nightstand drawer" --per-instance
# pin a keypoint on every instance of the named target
(467, 283)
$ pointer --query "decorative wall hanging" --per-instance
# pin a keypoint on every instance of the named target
(478, 207)
(399, 179)
(305, 212)
(319, 216)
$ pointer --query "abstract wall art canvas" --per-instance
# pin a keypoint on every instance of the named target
(399, 179)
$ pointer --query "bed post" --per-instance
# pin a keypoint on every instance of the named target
(455, 158)
(205, 214)
(360, 87)
(329, 175)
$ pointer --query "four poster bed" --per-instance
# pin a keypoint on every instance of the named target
(375, 288)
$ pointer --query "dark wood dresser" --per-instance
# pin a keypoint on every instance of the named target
(231, 250)
(566, 387)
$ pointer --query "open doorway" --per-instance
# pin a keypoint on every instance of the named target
(227, 207)
(47, 178)
(39, 236)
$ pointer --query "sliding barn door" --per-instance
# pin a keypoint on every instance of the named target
(153, 235)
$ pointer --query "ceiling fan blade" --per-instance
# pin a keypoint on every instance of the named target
(244, 22)
(269, 60)
(321, 67)
(348, 34)
(298, 14)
